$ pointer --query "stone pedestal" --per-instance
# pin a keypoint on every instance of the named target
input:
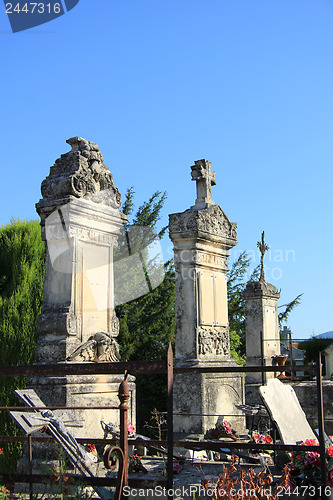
(202, 237)
(80, 221)
(261, 318)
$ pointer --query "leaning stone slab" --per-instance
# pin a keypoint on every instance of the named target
(285, 410)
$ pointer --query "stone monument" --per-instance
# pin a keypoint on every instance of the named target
(261, 319)
(202, 236)
(81, 221)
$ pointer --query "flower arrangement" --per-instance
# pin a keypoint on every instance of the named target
(262, 438)
(223, 429)
(135, 464)
(306, 464)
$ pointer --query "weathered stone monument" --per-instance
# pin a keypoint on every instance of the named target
(80, 221)
(261, 319)
(202, 236)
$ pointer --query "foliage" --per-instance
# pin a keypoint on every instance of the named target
(245, 483)
(147, 323)
(237, 281)
(21, 292)
(236, 305)
(312, 347)
(284, 315)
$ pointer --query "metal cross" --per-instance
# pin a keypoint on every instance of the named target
(263, 248)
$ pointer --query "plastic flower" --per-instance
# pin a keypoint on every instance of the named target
(329, 451)
(130, 429)
(227, 427)
(310, 442)
(91, 447)
(1, 450)
(176, 466)
(268, 439)
(330, 477)
(313, 459)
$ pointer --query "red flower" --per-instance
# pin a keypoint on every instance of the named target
(227, 427)
(313, 459)
(268, 439)
(1, 450)
(176, 466)
(130, 428)
(330, 477)
(54, 478)
(310, 442)
(91, 447)
(329, 451)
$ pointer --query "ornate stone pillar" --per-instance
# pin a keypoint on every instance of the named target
(202, 236)
(262, 321)
(261, 315)
(80, 221)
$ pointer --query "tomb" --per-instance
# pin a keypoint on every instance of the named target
(202, 236)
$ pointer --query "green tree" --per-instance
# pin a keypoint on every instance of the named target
(236, 284)
(312, 347)
(147, 323)
(21, 293)
(237, 281)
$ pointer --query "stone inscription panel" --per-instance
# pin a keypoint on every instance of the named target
(212, 299)
(96, 288)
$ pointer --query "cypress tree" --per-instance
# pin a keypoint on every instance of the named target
(21, 294)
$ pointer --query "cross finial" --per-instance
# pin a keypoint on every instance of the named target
(263, 248)
(205, 179)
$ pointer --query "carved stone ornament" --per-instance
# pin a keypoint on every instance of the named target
(81, 173)
(210, 220)
(213, 341)
(100, 346)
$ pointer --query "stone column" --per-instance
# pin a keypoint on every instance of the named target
(202, 236)
(80, 221)
(261, 315)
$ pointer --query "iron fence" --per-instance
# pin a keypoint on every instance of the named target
(151, 367)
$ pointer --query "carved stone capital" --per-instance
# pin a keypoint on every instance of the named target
(257, 289)
(210, 223)
(81, 173)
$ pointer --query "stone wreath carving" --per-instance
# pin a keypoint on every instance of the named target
(214, 341)
(81, 172)
(210, 220)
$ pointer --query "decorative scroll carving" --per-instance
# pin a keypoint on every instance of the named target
(214, 341)
(81, 172)
(210, 220)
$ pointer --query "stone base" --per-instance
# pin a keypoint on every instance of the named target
(202, 399)
(84, 390)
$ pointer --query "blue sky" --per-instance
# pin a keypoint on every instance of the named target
(246, 84)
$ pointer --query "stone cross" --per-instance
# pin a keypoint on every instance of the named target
(205, 179)
(263, 248)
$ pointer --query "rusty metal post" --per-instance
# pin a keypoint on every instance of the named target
(170, 422)
(263, 375)
(321, 421)
(123, 395)
(30, 464)
(291, 356)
